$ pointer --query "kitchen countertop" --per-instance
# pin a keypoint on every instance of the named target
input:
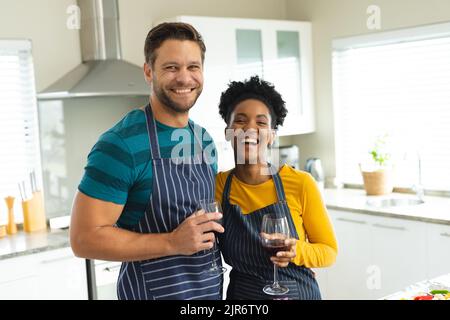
(421, 288)
(433, 210)
(23, 243)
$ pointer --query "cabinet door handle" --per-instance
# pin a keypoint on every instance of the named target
(389, 227)
(111, 269)
(56, 259)
(351, 220)
(445, 234)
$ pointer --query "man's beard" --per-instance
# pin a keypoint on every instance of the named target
(165, 99)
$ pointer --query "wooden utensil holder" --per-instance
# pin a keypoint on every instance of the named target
(34, 214)
(2, 231)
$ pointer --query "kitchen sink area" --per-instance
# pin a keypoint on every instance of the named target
(393, 202)
(396, 238)
(432, 209)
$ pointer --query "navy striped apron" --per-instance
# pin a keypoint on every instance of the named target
(177, 187)
(242, 249)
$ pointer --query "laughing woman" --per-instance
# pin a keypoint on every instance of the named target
(252, 110)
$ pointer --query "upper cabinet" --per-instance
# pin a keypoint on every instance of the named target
(278, 51)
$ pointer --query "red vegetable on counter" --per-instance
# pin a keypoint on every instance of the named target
(423, 298)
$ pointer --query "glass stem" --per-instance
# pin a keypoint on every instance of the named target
(275, 276)
(214, 264)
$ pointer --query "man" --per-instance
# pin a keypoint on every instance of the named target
(138, 199)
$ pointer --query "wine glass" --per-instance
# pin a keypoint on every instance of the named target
(213, 206)
(274, 232)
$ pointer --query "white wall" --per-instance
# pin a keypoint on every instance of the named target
(56, 49)
(340, 18)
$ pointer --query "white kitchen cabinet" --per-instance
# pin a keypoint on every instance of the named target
(279, 51)
(322, 280)
(53, 275)
(18, 278)
(61, 275)
(106, 275)
(438, 243)
(380, 255)
(398, 252)
(347, 278)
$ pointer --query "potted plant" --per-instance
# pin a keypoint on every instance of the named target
(378, 175)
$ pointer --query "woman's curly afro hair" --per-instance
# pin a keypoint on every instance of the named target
(253, 88)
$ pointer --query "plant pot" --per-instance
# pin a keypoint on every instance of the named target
(378, 182)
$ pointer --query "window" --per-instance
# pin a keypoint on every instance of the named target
(395, 83)
(19, 147)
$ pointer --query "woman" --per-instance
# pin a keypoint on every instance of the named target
(252, 110)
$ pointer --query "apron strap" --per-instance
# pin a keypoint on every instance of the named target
(152, 133)
(279, 187)
(197, 139)
(227, 189)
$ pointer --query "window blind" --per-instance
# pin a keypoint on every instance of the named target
(19, 141)
(400, 89)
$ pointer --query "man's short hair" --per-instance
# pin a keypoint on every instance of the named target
(170, 30)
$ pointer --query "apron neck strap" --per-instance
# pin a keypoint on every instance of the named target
(197, 130)
(152, 133)
(278, 184)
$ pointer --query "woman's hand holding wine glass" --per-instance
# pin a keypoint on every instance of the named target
(275, 239)
(283, 257)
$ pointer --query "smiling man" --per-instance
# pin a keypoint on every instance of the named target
(136, 204)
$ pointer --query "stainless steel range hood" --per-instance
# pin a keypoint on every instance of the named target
(103, 72)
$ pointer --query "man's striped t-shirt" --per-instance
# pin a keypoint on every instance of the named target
(119, 167)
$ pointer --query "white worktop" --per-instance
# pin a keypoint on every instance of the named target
(433, 210)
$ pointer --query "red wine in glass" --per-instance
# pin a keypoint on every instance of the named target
(274, 246)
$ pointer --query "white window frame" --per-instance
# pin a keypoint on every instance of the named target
(32, 158)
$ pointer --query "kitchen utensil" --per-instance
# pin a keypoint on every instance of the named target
(314, 167)
(33, 181)
(11, 227)
(289, 155)
(24, 192)
(33, 208)
(21, 192)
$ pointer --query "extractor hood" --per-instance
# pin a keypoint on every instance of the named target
(102, 72)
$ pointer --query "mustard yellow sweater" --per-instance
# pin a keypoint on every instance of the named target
(317, 246)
